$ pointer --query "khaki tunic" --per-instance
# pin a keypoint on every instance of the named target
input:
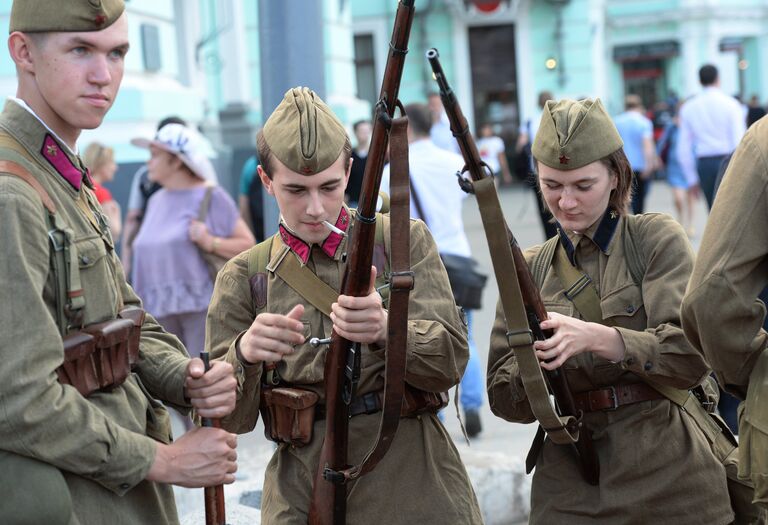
(722, 316)
(421, 479)
(656, 466)
(100, 443)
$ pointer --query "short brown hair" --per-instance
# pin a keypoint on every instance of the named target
(618, 165)
(266, 156)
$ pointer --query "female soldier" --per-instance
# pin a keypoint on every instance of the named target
(656, 465)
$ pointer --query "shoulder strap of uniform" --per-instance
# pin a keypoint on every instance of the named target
(70, 300)
(635, 258)
(543, 260)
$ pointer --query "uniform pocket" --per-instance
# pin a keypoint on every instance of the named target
(622, 305)
(97, 279)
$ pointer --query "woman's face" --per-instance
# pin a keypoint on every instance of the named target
(161, 165)
(577, 198)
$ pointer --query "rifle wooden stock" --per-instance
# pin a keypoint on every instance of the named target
(534, 305)
(329, 494)
(215, 512)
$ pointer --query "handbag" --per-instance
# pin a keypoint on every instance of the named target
(213, 261)
(466, 281)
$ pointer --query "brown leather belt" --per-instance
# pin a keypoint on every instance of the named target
(415, 402)
(612, 397)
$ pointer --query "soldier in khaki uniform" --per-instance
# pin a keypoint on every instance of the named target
(66, 458)
(656, 465)
(722, 316)
(305, 164)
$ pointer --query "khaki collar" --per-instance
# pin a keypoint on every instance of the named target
(330, 245)
(601, 234)
(26, 127)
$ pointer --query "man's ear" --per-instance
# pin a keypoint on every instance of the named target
(265, 180)
(20, 47)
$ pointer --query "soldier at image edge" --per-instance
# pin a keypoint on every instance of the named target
(84, 438)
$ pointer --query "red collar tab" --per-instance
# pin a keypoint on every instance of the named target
(330, 244)
(55, 155)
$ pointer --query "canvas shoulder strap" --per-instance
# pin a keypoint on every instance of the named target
(543, 260)
(70, 299)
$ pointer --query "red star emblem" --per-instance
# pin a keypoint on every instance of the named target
(306, 170)
(564, 159)
(52, 150)
(100, 20)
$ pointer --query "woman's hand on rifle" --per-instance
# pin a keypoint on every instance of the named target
(361, 319)
(573, 337)
(212, 393)
(272, 336)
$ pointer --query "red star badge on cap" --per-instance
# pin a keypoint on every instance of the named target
(564, 159)
(306, 170)
(100, 20)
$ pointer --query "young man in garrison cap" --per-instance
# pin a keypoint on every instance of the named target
(262, 326)
(83, 440)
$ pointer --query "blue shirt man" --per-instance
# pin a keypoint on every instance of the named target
(636, 131)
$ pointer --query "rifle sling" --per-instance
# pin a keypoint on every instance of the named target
(518, 332)
(401, 283)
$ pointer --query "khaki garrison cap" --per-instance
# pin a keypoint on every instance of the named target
(43, 16)
(574, 133)
(303, 133)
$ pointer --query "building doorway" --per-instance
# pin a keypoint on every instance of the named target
(494, 80)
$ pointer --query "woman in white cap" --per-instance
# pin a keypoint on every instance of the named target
(171, 274)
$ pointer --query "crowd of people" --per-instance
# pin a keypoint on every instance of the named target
(637, 326)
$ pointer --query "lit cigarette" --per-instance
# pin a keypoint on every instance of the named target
(333, 228)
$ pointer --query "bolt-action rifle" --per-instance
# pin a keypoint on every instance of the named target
(215, 513)
(342, 362)
(531, 299)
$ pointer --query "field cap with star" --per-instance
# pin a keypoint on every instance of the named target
(574, 133)
(303, 133)
(43, 16)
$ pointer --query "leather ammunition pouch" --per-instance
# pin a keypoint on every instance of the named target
(102, 355)
(289, 414)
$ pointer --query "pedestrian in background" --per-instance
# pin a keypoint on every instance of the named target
(493, 153)
(711, 126)
(100, 161)
(141, 190)
(170, 274)
(636, 130)
(655, 463)
(436, 199)
(523, 150)
(684, 194)
(362, 130)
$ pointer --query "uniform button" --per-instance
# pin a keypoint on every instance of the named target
(630, 309)
(125, 486)
(85, 259)
(648, 365)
